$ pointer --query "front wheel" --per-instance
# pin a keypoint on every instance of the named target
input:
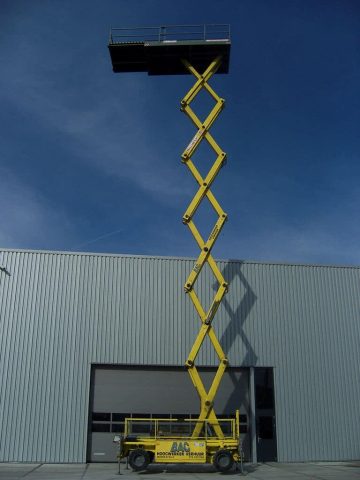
(139, 459)
(223, 460)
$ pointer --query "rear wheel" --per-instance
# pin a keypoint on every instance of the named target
(139, 459)
(223, 460)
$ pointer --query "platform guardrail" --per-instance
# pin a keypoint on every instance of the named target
(170, 33)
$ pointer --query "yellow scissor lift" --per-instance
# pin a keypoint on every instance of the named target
(201, 51)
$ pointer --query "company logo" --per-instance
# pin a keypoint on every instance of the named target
(180, 447)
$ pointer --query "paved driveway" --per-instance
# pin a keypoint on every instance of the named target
(106, 471)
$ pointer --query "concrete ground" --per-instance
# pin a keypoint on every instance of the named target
(109, 471)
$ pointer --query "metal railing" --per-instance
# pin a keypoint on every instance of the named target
(173, 428)
(170, 33)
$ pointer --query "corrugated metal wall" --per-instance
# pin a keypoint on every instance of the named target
(60, 312)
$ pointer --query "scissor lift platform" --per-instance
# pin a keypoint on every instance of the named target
(200, 50)
(160, 50)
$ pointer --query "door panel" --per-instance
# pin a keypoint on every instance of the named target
(119, 392)
(265, 415)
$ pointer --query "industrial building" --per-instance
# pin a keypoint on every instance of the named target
(87, 339)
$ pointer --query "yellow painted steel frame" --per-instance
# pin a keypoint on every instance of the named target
(206, 398)
(207, 417)
(159, 441)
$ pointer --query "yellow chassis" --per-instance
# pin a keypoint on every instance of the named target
(165, 445)
(211, 447)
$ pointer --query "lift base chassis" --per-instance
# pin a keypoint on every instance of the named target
(163, 443)
(182, 450)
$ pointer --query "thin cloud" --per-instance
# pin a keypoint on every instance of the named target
(27, 219)
(96, 239)
(316, 241)
(107, 134)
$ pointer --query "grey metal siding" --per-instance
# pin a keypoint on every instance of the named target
(61, 312)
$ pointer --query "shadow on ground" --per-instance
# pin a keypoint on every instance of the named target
(207, 469)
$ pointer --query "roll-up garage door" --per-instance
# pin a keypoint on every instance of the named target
(119, 392)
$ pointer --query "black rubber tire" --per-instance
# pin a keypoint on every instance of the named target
(223, 460)
(139, 459)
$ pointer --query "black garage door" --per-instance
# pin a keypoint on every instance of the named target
(119, 392)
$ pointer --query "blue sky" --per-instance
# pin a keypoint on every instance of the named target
(90, 160)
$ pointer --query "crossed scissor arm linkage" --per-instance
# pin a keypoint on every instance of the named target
(206, 397)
